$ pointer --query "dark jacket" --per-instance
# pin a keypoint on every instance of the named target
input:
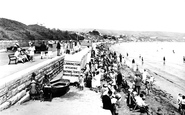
(58, 45)
(106, 102)
(138, 81)
(43, 47)
(119, 79)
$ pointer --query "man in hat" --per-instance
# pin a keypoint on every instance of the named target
(138, 83)
(58, 48)
(106, 100)
(43, 49)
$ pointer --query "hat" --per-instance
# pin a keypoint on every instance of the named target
(105, 85)
(33, 81)
(130, 90)
(137, 73)
(135, 93)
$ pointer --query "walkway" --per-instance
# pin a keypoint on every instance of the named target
(7, 70)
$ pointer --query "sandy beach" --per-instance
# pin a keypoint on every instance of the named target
(75, 102)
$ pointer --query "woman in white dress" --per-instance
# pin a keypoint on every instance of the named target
(50, 51)
(31, 50)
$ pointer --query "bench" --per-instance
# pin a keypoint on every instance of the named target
(12, 58)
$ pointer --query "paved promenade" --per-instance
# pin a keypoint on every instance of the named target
(7, 70)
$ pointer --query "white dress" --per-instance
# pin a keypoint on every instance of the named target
(32, 49)
(98, 78)
(93, 82)
(50, 52)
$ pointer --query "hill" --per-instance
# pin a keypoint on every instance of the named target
(14, 30)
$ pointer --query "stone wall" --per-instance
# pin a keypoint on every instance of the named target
(13, 87)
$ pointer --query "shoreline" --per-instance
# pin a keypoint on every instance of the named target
(169, 89)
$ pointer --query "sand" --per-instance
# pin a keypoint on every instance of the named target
(75, 102)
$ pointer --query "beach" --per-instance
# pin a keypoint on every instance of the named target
(169, 76)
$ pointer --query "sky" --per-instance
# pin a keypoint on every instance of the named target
(130, 15)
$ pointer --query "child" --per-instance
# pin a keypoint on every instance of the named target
(81, 82)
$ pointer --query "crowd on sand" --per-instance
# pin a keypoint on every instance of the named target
(103, 75)
(45, 49)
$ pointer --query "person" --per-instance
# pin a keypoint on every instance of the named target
(179, 100)
(47, 88)
(45, 80)
(43, 49)
(173, 51)
(50, 52)
(98, 81)
(142, 106)
(19, 56)
(119, 81)
(62, 48)
(139, 56)
(133, 64)
(118, 97)
(16, 46)
(151, 81)
(34, 87)
(106, 100)
(58, 48)
(183, 103)
(164, 59)
(104, 89)
(138, 83)
(130, 99)
(31, 50)
(81, 82)
(142, 60)
(127, 54)
(144, 76)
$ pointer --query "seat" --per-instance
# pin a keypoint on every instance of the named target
(12, 58)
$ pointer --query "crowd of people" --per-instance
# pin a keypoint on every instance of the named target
(103, 74)
(45, 49)
(24, 55)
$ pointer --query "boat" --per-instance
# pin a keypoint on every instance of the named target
(59, 87)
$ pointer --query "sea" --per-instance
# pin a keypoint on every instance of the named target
(173, 70)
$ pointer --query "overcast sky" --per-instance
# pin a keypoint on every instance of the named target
(137, 15)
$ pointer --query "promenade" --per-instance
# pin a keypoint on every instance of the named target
(7, 70)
